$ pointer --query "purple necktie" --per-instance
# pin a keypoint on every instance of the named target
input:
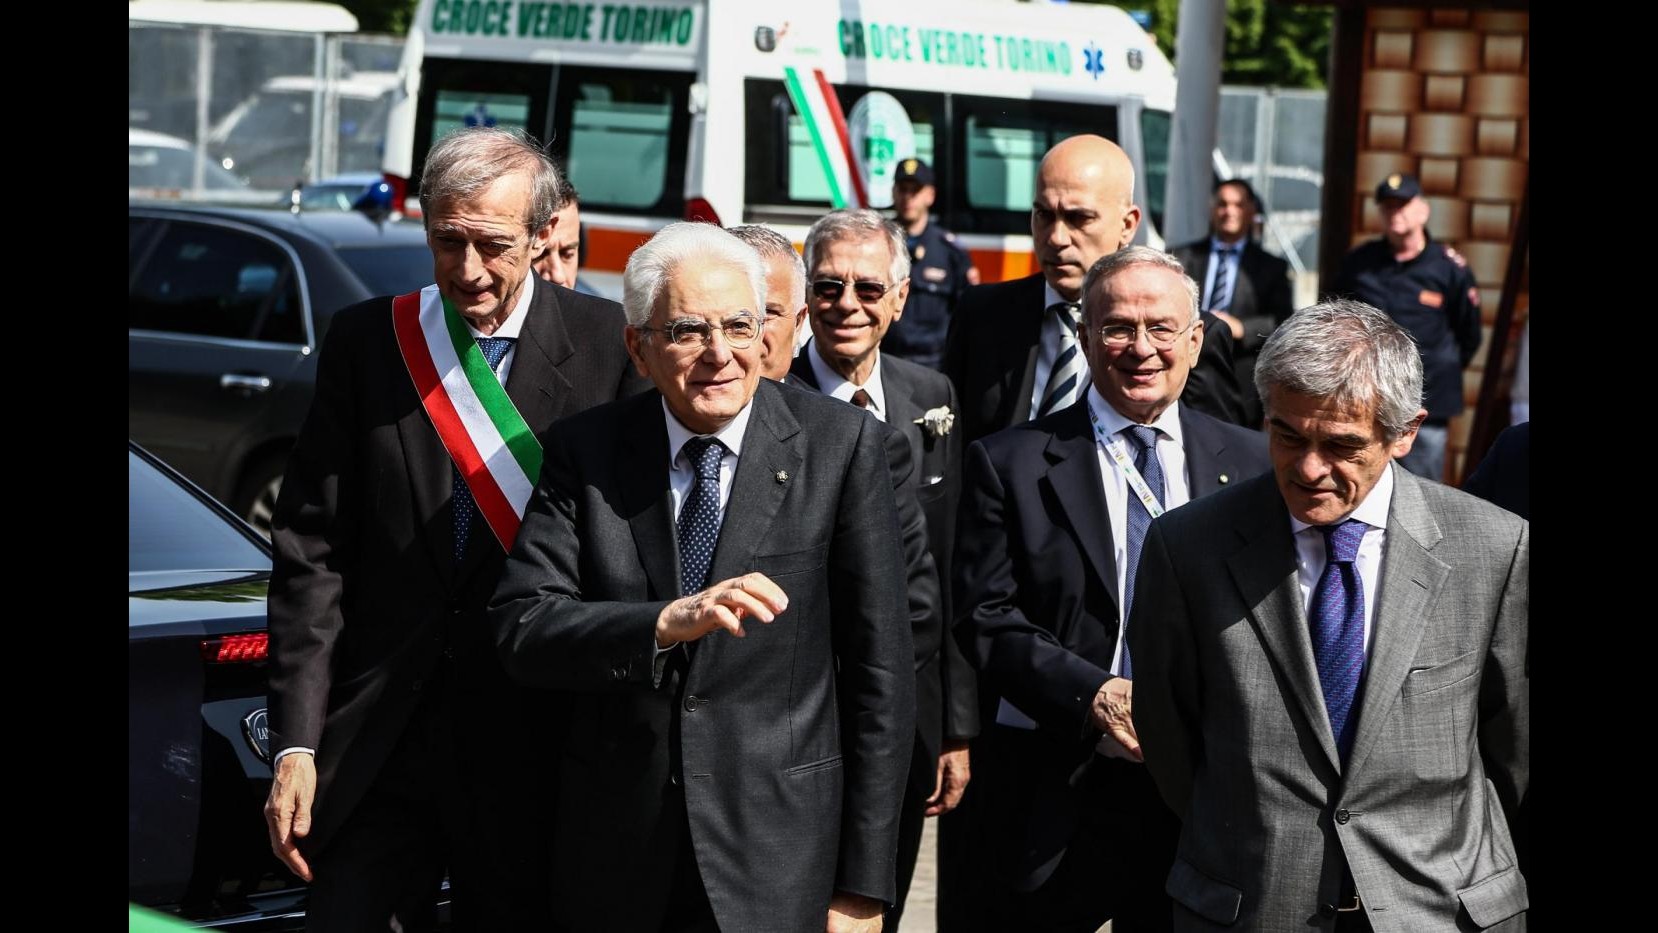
(494, 350)
(1336, 617)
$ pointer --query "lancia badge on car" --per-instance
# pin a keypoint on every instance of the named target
(258, 733)
(765, 38)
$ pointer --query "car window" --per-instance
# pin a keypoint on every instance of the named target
(212, 281)
(390, 270)
(162, 167)
(169, 529)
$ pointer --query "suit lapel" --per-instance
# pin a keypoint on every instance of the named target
(903, 410)
(801, 369)
(1027, 335)
(647, 499)
(1079, 492)
(431, 475)
(1207, 469)
(1264, 570)
(1243, 289)
(1411, 581)
(538, 389)
(771, 448)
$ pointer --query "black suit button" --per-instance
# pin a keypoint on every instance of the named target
(691, 703)
(619, 673)
(1342, 816)
(415, 687)
(1326, 910)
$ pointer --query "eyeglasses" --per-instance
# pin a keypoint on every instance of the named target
(867, 292)
(1161, 336)
(686, 333)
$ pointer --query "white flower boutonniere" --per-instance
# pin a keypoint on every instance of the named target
(937, 421)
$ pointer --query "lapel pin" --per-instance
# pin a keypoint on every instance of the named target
(1224, 479)
(782, 476)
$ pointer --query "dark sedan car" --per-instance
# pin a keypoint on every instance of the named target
(196, 738)
(226, 308)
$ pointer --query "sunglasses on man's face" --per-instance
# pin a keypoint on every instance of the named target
(867, 292)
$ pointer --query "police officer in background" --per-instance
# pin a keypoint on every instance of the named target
(939, 270)
(1428, 289)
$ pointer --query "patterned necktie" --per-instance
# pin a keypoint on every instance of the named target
(1065, 379)
(495, 350)
(860, 398)
(699, 516)
(1336, 616)
(1220, 293)
(1143, 440)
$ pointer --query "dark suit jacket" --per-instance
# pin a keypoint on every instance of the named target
(946, 687)
(794, 740)
(1504, 474)
(990, 355)
(1230, 713)
(1261, 300)
(367, 605)
(1038, 607)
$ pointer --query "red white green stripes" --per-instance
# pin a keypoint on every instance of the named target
(814, 99)
(494, 449)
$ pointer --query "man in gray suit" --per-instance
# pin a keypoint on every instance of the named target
(1332, 687)
(712, 572)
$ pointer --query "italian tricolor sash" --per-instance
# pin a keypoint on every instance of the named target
(494, 449)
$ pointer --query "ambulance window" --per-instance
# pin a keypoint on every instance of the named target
(785, 177)
(1001, 143)
(622, 137)
(456, 93)
(1154, 137)
(457, 109)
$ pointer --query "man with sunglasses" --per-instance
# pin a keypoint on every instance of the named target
(858, 268)
(1053, 514)
(711, 574)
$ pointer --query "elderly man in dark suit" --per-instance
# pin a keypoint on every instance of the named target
(712, 573)
(1053, 513)
(1012, 351)
(1244, 286)
(858, 269)
(1334, 688)
(399, 740)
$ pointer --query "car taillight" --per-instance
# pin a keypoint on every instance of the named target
(698, 209)
(236, 649)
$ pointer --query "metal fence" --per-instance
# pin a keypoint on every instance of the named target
(248, 114)
(1275, 138)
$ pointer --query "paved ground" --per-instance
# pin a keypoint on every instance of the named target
(920, 911)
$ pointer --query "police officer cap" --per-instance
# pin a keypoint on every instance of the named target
(1398, 185)
(914, 170)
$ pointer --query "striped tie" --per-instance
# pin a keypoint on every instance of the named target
(1336, 616)
(1220, 293)
(1143, 440)
(1065, 381)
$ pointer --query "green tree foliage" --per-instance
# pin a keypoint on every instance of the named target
(389, 16)
(1267, 43)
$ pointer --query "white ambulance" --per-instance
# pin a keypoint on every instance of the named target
(774, 112)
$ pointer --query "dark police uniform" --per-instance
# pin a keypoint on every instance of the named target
(938, 274)
(1433, 296)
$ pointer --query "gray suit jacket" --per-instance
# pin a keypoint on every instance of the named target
(792, 742)
(1231, 716)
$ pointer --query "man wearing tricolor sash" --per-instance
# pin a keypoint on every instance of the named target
(403, 753)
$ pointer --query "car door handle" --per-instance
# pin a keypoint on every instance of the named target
(245, 383)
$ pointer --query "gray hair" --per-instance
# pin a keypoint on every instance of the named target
(768, 243)
(859, 224)
(1350, 354)
(673, 249)
(1113, 263)
(464, 163)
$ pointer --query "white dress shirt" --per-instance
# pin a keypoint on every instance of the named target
(1311, 556)
(1047, 350)
(1171, 453)
(833, 385)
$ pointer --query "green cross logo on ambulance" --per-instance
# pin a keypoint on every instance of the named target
(735, 111)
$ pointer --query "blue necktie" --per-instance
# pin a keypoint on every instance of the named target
(1144, 442)
(495, 350)
(1065, 378)
(1220, 293)
(1336, 616)
(699, 516)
